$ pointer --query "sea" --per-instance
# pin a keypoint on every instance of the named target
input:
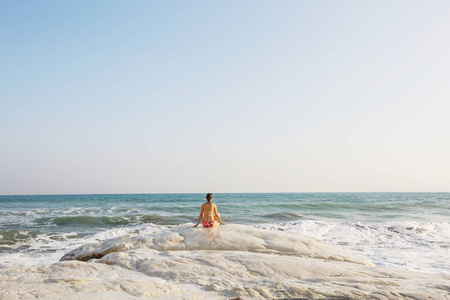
(409, 231)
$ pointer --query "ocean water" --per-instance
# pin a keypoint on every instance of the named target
(408, 231)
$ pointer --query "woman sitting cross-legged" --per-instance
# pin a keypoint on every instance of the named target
(209, 214)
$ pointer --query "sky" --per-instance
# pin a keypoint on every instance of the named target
(224, 96)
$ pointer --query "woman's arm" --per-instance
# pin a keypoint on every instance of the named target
(199, 217)
(217, 216)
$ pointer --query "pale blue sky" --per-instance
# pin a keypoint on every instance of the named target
(224, 96)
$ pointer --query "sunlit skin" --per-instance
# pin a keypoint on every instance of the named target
(209, 213)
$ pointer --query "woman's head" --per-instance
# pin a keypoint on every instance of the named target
(209, 197)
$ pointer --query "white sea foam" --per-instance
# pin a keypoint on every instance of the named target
(407, 245)
(48, 248)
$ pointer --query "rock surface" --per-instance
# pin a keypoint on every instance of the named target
(233, 261)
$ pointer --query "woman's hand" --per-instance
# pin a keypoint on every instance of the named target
(195, 225)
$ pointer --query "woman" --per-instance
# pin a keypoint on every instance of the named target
(206, 214)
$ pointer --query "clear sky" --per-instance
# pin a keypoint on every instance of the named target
(224, 96)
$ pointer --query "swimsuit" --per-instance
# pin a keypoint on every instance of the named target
(210, 223)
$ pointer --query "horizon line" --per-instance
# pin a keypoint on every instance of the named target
(191, 193)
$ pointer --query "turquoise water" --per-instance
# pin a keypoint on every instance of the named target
(358, 221)
(89, 213)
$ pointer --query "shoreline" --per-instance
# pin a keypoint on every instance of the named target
(391, 244)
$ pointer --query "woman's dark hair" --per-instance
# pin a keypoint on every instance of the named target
(209, 197)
